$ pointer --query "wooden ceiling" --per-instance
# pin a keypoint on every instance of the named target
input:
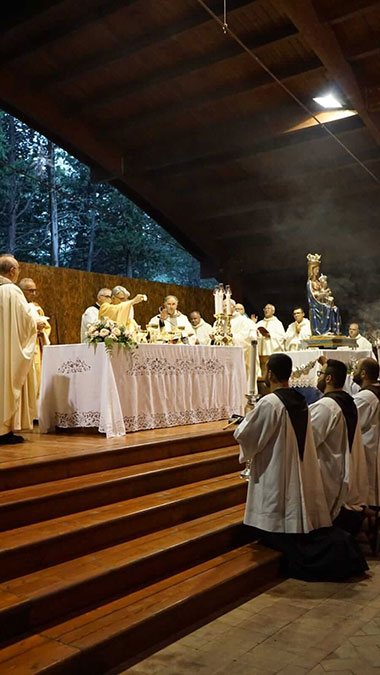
(161, 103)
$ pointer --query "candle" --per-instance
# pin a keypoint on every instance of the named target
(216, 299)
(221, 296)
(228, 300)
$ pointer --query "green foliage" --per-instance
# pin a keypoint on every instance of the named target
(99, 228)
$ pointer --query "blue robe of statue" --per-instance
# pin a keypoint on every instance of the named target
(323, 318)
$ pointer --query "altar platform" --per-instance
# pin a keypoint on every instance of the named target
(112, 548)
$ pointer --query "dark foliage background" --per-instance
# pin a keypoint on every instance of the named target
(51, 213)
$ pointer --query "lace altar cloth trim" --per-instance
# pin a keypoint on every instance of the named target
(143, 421)
(89, 419)
(76, 366)
(159, 365)
(174, 418)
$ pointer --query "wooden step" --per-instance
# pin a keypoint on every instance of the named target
(40, 470)
(48, 594)
(120, 631)
(36, 503)
(29, 548)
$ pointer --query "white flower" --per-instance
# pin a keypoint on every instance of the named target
(95, 334)
(113, 337)
(104, 332)
(116, 332)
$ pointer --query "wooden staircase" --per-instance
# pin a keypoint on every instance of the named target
(101, 561)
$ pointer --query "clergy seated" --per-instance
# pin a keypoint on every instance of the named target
(120, 309)
(18, 333)
(271, 332)
(339, 446)
(298, 331)
(286, 501)
(367, 401)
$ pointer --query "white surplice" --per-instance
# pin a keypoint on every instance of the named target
(285, 494)
(18, 334)
(89, 316)
(363, 343)
(293, 339)
(202, 332)
(344, 473)
(275, 343)
(369, 411)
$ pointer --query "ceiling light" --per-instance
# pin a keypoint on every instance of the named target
(328, 101)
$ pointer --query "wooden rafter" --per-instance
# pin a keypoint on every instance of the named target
(224, 53)
(87, 65)
(321, 38)
(66, 28)
(352, 9)
(271, 142)
(141, 121)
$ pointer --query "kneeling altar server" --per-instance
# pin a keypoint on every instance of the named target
(286, 499)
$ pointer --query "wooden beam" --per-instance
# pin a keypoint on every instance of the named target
(250, 206)
(352, 9)
(66, 28)
(232, 49)
(271, 143)
(138, 123)
(19, 13)
(363, 51)
(80, 68)
(321, 38)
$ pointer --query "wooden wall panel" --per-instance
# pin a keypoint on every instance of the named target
(64, 294)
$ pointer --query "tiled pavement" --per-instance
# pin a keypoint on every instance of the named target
(293, 629)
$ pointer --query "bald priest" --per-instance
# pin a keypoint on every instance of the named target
(18, 334)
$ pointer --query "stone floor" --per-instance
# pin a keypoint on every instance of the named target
(293, 629)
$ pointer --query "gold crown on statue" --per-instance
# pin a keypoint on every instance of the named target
(314, 258)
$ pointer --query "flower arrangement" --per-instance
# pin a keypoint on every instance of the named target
(107, 331)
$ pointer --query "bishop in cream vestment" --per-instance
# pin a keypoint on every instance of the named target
(18, 333)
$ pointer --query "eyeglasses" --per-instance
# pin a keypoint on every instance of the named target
(321, 372)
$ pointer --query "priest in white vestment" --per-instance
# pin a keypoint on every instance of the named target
(201, 328)
(367, 400)
(18, 334)
(286, 500)
(298, 331)
(91, 314)
(243, 332)
(271, 333)
(361, 341)
(170, 319)
(339, 445)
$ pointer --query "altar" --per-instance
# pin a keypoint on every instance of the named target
(306, 365)
(154, 386)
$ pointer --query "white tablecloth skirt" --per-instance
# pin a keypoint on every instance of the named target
(155, 386)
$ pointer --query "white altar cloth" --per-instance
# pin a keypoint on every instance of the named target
(307, 361)
(153, 387)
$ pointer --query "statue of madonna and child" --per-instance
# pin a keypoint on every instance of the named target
(324, 314)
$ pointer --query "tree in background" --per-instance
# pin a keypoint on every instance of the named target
(52, 213)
